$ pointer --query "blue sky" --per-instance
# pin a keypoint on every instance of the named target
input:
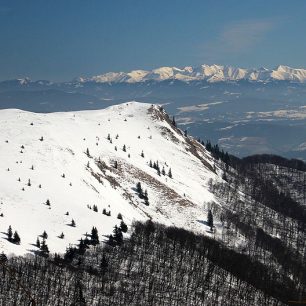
(62, 39)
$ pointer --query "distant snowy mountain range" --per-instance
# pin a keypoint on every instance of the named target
(211, 73)
(242, 106)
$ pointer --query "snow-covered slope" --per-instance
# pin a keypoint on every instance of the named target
(211, 73)
(56, 144)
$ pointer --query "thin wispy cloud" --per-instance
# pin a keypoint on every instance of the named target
(237, 38)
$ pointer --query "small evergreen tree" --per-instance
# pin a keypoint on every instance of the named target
(48, 202)
(170, 173)
(142, 154)
(210, 219)
(119, 216)
(16, 238)
(9, 233)
(116, 164)
(44, 248)
(163, 171)
(44, 235)
(37, 242)
(29, 182)
(139, 190)
(82, 247)
(87, 152)
(94, 236)
(173, 121)
(61, 236)
(124, 148)
(72, 223)
(123, 227)
(118, 237)
(146, 198)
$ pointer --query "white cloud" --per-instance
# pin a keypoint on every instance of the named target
(238, 37)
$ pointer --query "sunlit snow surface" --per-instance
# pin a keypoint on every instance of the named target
(66, 137)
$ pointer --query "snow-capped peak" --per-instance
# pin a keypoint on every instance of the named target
(211, 73)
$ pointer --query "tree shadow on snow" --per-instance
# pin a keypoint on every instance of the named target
(204, 223)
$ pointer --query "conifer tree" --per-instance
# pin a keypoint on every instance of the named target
(44, 235)
(173, 121)
(123, 227)
(94, 236)
(146, 198)
(124, 148)
(139, 190)
(118, 237)
(44, 248)
(16, 238)
(170, 173)
(9, 233)
(210, 219)
(82, 247)
(37, 242)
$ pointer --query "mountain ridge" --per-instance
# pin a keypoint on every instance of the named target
(80, 159)
(210, 73)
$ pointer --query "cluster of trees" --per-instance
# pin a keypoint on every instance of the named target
(155, 165)
(142, 194)
(14, 238)
(217, 152)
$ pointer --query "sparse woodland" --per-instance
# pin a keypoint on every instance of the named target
(254, 252)
(158, 265)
